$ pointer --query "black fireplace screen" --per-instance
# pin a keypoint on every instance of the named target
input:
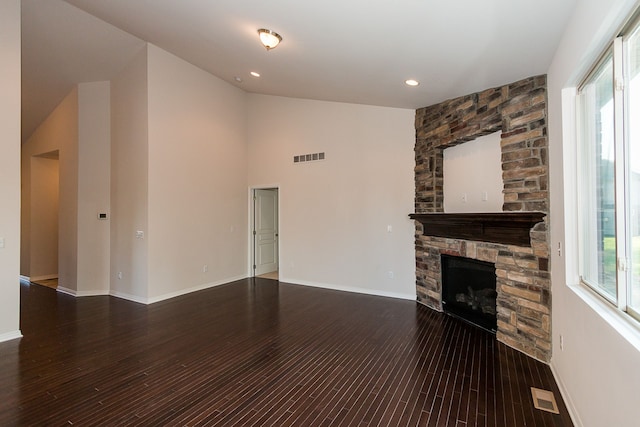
(469, 290)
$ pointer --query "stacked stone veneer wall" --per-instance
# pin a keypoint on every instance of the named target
(519, 110)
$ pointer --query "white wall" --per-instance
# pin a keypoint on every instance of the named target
(473, 176)
(59, 132)
(598, 368)
(129, 172)
(78, 132)
(94, 173)
(10, 169)
(334, 213)
(197, 178)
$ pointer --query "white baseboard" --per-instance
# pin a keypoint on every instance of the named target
(75, 293)
(45, 277)
(573, 413)
(194, 289)
(147, 301)
(93, 293)
(25, 279)
(10, 336)
(67, 291)
(374, 292)
(128, 297)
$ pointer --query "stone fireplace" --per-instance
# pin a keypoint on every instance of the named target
(519, 111)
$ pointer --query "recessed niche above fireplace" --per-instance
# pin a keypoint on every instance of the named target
(480, 159)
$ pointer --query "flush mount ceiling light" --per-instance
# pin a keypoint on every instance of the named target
(411, 82)
(255, 74)
(269, 39)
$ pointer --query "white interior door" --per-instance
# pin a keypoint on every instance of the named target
(265, 234)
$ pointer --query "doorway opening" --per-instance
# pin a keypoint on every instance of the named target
(42, 258)
(265, 227)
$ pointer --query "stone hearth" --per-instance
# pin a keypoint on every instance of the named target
(519, 111)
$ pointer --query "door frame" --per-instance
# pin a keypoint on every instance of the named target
(251, 243)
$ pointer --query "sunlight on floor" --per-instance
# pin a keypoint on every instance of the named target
(49, 283)
(273, 275)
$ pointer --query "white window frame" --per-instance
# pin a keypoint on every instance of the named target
(621, 175)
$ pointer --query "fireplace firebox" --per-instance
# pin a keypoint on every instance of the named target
(469, 290)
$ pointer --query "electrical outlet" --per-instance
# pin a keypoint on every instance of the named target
(205, 268)
(464, 198)
(390, 274)
(139, 234)
(561, 343)
(119, 275)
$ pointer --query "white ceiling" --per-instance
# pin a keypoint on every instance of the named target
(358, 51)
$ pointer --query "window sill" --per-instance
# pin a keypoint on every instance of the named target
(624, 324)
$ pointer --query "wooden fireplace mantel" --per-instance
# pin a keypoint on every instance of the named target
(509, 228)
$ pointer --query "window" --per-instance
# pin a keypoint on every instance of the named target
(609, 174)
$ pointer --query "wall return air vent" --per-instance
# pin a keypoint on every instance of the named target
(308, 158)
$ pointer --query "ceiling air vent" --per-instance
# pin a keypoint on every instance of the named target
(308, 158)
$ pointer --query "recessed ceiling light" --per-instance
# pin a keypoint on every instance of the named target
(411, 82)
(238, 79)
(255, 74)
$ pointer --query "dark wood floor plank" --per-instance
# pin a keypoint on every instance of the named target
(394, 383)
(417, 360)
(258, 352)
(453, 394)
(357, 399)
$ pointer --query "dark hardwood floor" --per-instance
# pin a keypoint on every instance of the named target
(256, 352)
